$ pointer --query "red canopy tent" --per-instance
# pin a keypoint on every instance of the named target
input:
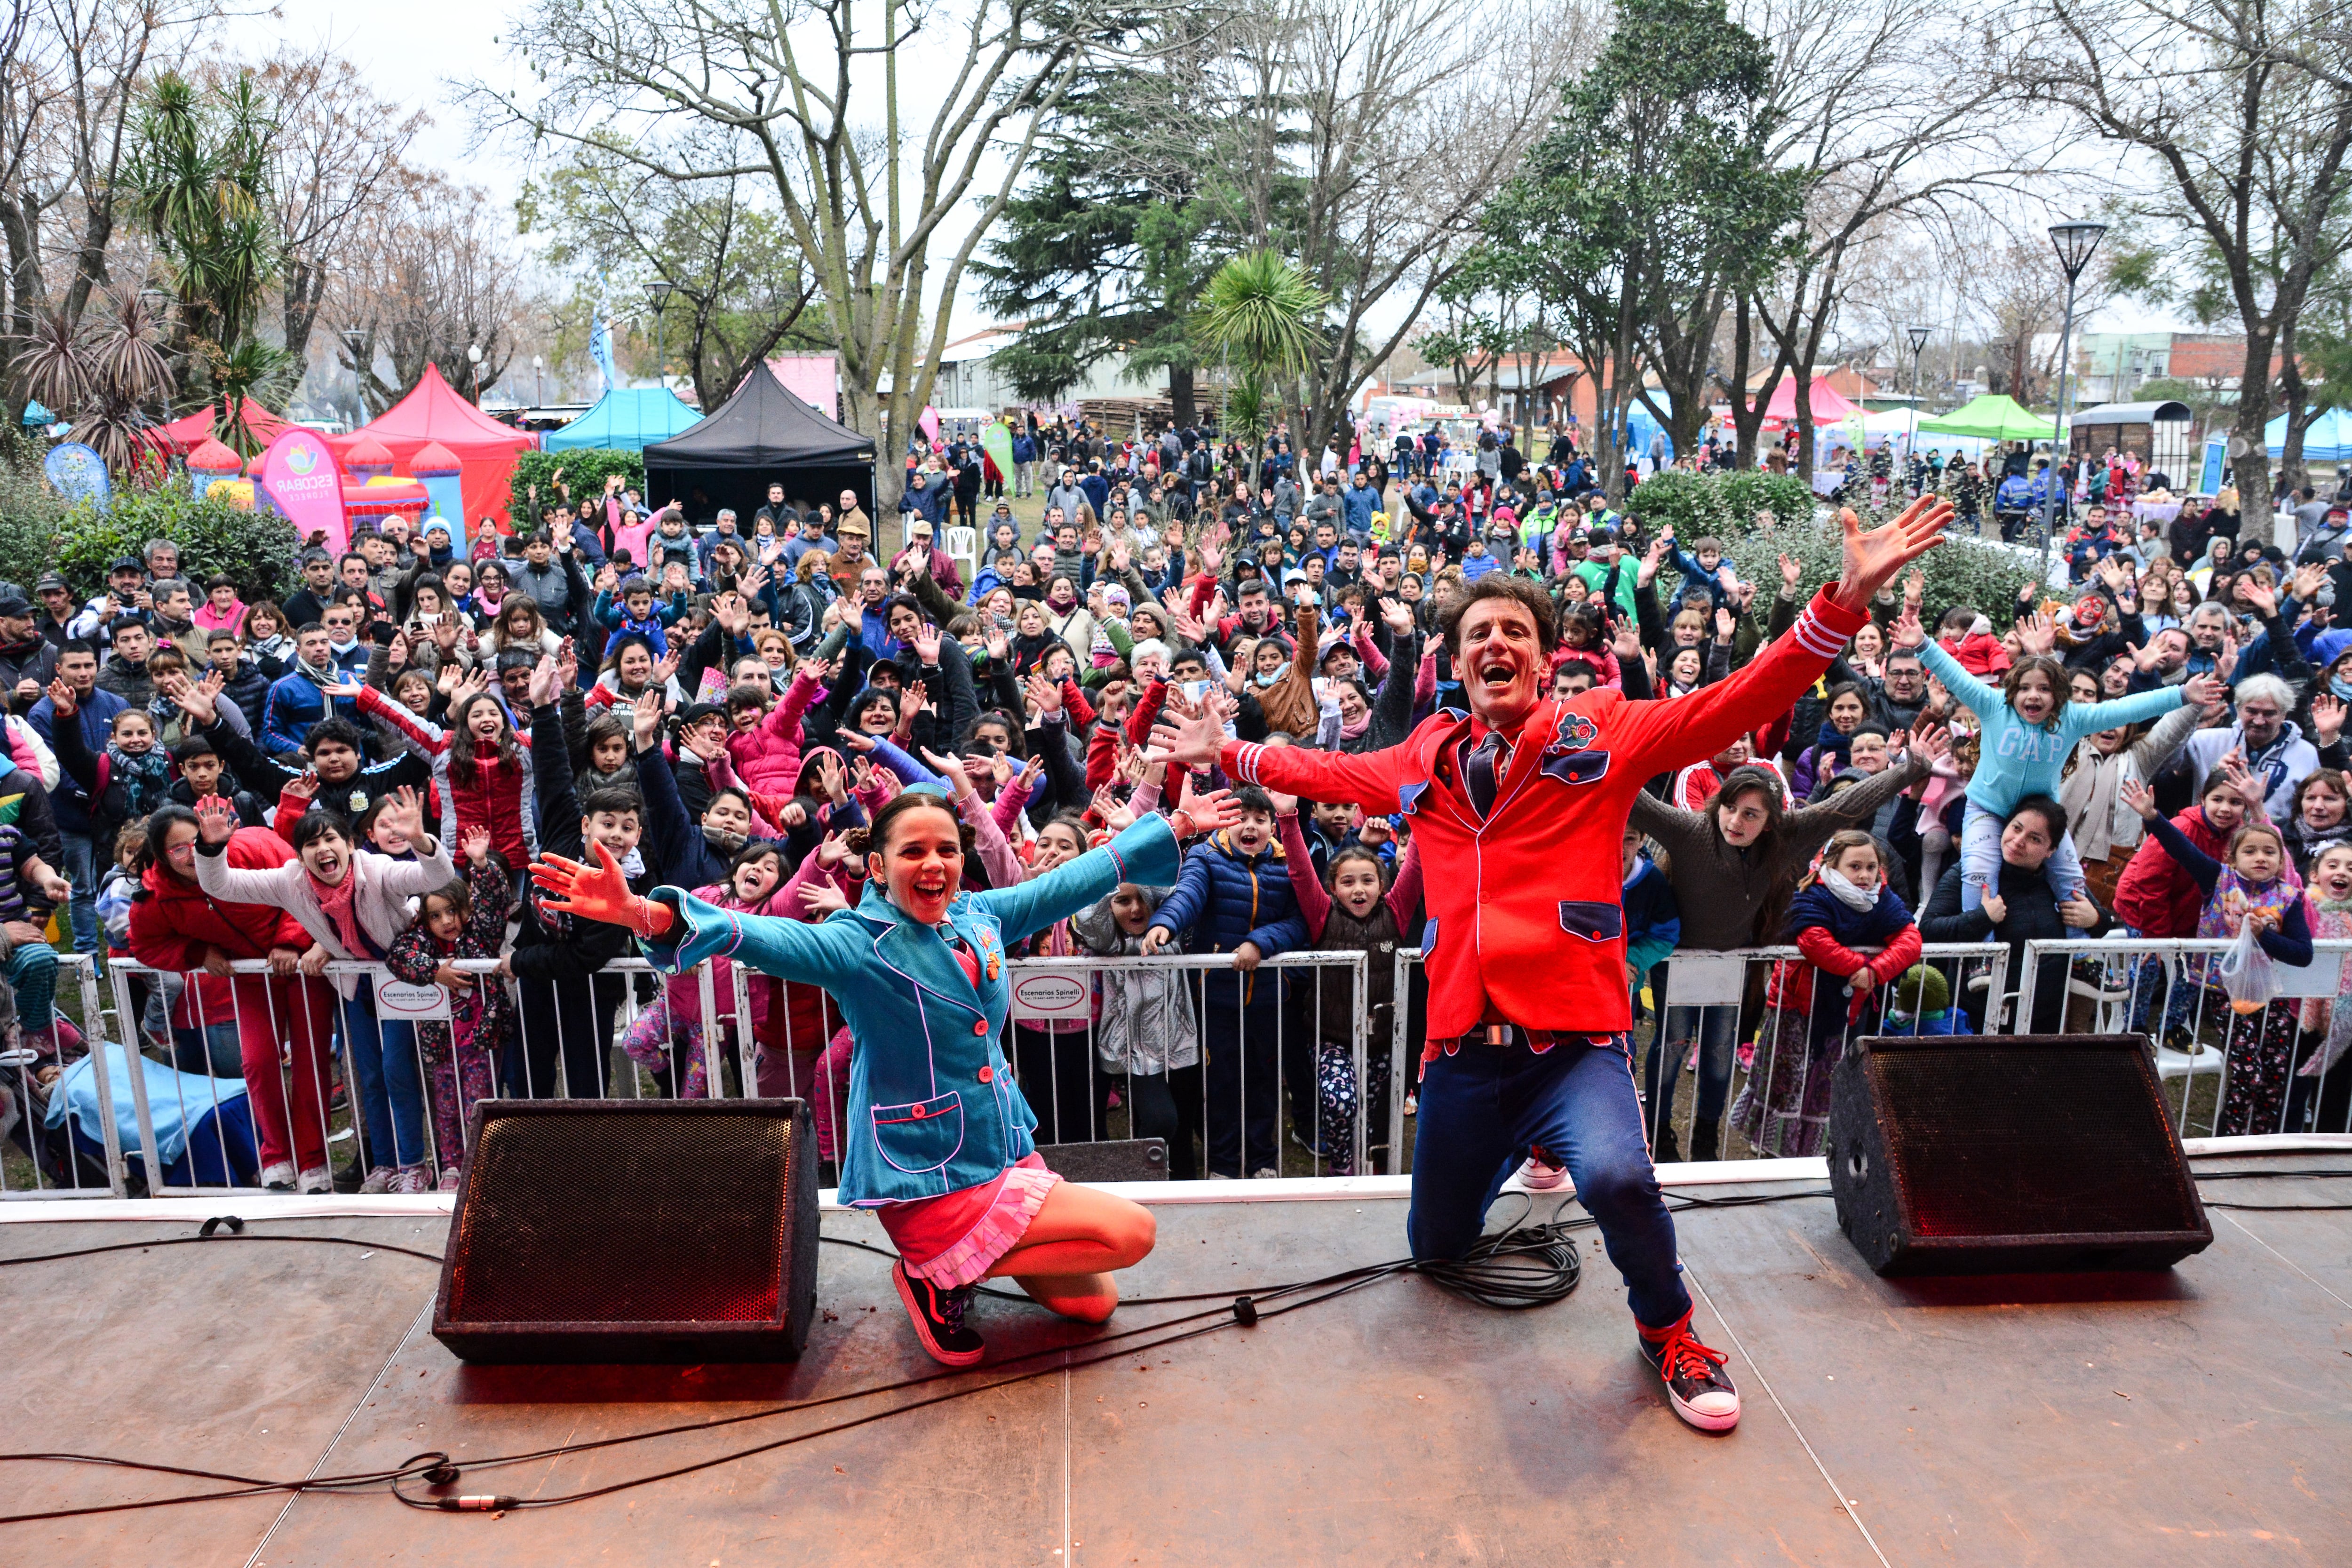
(184, 435)
(433, 413)
(1829, 406)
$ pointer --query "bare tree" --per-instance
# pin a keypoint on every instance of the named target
(2251, 139)
(1339, 111)
(814, 95)
(336, 154)
(438, 280)
(1882, 127)
(67, 91)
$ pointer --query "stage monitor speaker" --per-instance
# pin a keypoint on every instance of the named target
(2001, 1155)
(633, 1231)
(1113, 1160)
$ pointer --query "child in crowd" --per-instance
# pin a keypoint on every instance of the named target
(1145, 1031)
(465, 918)
(635, 609)
(131, 780)
(1844, 905)
(1233, 897)
(2329, 897)
(2029, 732)
(2255, 885)
(1349, 909)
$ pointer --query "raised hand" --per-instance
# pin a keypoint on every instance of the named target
(2037, 633)
(1114, 813)
(215, 818)
(1724, 623)
(927, 644)
(1871, 560)
(2327, 718)
(1284, 805)
(2205, 691)
(1044, 695)
(665, 670)
(477, 846)
(1206, 814)
(819, 898)
(1792, 571)
(852, 740)
(404, 813)
(1915, 586)
(2140, 797)
(598, 892)
(646, 716)
(1396, 616)
(1195, 740)
(303, 788)
(1907, 631)
(1931, 741)
(61, 698)
(951, 768)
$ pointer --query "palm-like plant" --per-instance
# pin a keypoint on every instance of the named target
(104, 377)
(1260, 312)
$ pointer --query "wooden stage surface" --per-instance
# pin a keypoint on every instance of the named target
(2202, 1417)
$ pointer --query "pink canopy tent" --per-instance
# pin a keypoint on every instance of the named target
(185, 434)
(433, 413)
(1828, 406)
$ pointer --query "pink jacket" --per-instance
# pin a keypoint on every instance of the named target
(768, 756)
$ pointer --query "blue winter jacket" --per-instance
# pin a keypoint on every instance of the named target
(932, 1105)
(1224, 899)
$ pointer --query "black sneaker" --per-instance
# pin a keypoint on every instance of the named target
(1693, 1375)
(939, 1317)
(1706, 1139)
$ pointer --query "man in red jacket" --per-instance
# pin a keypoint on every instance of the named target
(1524, 798)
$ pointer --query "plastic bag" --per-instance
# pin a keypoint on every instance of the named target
(2247, 971)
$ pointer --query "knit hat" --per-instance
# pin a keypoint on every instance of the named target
(1920, 990)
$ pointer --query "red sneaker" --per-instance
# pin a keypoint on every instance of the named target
(938, 1317)
(1701, 1391)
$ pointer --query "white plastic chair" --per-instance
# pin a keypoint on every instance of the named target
(963, 549)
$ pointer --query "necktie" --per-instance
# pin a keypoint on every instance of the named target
(1479, 774)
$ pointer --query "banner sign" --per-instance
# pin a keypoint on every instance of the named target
(303, 478)
(399, 1000)
(1052, 996)
(78, 472)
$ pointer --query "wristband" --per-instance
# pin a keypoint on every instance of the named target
(1191, 825)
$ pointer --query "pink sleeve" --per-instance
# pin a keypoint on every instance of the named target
(1012, 797)
(1376, 663)
(1425, 679)
(1314, 903)
(1005, 867)
(424, 731)
(1405, 891)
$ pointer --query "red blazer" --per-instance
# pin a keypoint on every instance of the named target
(1525, 910)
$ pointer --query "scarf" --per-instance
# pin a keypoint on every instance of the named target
(319, 674)
(1846, 893)
(1355, 731)
(146, 777)
(337, 902)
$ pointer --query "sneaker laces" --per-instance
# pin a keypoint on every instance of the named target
(1683, 1356)
(952, 1305)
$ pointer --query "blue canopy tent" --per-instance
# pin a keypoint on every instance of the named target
(626, 418)
(2329, 440)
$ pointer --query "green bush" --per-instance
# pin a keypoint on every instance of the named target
(257, 551)
(1696, 505)
(31, 517)
(584, 469)
(1961, 570)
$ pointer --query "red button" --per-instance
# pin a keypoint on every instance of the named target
(920, 1113)
(980, 1026)
(988, 1074)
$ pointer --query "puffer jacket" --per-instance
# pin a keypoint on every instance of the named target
(1222, 899)
(173, 923)
(767, 757)
(1144, 1016)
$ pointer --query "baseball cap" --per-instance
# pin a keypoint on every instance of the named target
(127, 564)
(49, 579)
(13, 607)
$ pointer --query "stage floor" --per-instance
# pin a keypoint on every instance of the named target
(2203, 1416)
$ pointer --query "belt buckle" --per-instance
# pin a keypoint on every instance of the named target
(1498, 1034)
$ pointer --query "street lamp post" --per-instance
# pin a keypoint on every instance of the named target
(538, 381)
(474, 358)
(2073, 242)
(656, 296)
(1918, 346)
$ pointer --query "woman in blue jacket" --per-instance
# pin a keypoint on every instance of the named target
(936, 1134)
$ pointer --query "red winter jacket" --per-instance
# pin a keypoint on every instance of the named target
(2155, 895)
(1528, 925)
(174, 924)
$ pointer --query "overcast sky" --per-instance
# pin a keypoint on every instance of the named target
(412, 49)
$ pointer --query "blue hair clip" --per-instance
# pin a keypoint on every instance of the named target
(927, 787)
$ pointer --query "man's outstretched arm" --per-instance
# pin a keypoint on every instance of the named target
(1368, 779)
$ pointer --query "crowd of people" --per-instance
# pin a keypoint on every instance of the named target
(359, 765)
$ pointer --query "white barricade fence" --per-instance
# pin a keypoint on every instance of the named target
(1763, 1059)
(2278, 1068)
(281, 1078)
(55, 1139)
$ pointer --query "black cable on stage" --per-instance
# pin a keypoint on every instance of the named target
(1521, 1267)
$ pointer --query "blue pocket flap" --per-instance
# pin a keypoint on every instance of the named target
(1594, 922)
(921, 1135)
(1578, 767)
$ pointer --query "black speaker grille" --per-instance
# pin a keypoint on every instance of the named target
(2039, 1139)
(612, 1218)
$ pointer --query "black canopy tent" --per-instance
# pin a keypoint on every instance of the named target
(761, 436)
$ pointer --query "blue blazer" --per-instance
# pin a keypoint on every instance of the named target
(932, 1105)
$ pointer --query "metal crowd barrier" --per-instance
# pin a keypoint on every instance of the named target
(2279, 1068)
(44, 1152)
(376, 1085)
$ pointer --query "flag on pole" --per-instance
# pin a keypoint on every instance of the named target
(600, 334)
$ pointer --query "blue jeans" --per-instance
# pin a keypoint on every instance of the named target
(32, 974)
(390, 1086)
(215, 1050)
(1980, 858)
(81, 869)
(1717, 1030)
(1483, 1107)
